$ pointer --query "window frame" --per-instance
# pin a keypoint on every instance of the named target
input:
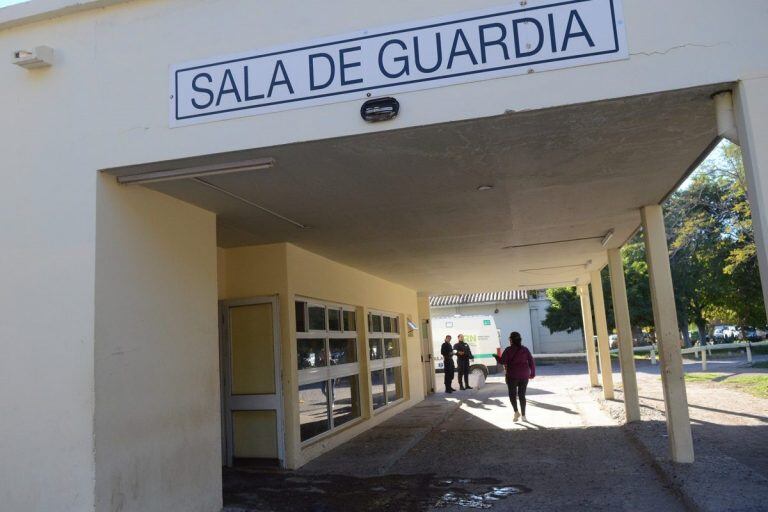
(385, 363)
(330, 371)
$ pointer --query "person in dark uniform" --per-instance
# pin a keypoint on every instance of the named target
(463, 355)
(446, 350)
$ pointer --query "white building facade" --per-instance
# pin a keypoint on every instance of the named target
(514, 310)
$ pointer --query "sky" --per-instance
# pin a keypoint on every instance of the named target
(3, 3)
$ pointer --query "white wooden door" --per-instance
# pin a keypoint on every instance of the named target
(252, 408)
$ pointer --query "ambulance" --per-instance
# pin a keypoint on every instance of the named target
(479, 332)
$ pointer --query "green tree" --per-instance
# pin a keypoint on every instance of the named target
(694, 221)
(564, 311)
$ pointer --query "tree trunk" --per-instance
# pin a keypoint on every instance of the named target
(701, 325)
(683, 324)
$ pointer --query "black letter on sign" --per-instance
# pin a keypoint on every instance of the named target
(466, 51)
(552, 40)
(233, 89)
(583, 33)
(497, 42)
(207, 92)
(404, 59)
(312, 85)
(417, 59)
(518, 52)
(248, 96)
(344, 66)
(285, 81)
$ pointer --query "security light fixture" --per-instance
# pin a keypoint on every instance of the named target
(37, 57)
(196, 172)
(607, 238)
(380, 109)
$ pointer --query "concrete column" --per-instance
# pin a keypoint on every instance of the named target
(751, 106)
(589, 334)
(601, 325)
(667, 334)
(624, 328)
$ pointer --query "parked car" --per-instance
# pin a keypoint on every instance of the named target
(717, 333)
(725, 333)
(753, 333)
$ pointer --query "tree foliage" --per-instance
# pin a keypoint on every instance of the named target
(564, 311)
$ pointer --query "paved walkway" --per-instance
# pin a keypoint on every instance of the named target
(460, 451)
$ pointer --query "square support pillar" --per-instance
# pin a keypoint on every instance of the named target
(589, 334)
(751, 108)
(624, 328)
(667, 334)
(601, 325)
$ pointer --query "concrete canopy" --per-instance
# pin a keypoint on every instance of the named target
(404, 204)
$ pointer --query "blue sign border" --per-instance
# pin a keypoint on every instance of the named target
(405, 82)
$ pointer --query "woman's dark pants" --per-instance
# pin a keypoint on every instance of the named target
(517, 389)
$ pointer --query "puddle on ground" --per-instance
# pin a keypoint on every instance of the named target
(477, 500)
(256, 490)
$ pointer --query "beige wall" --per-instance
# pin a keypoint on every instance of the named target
(289, 271)
(157, 419)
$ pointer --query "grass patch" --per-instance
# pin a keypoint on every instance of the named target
(638, 357)
(756, 385)
(701, 377)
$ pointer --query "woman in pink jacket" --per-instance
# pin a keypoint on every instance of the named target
(519, 367)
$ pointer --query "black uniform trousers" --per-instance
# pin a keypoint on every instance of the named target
(464, 371)
(448, 369)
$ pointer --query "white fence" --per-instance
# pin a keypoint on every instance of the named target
(700, 351)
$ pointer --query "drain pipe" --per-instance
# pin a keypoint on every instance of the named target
(726, 117)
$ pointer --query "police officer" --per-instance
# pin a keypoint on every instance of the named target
(463, 355)
(446, 350)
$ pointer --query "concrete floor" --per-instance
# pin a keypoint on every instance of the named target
(454, 452)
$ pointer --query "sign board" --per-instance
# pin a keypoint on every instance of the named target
(527, 37)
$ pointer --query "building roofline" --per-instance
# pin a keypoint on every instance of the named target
(479, 298)
(39, 10)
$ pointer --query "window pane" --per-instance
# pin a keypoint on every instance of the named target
(301, 323)
(343, 351)
(394, 384)
(334, 319)
(346, 399)
(350, 322)
(311, 353)
(316, 318)
(387, 324)
(396, 325)
(374, 350)
(313, 409)
(376, 323)
(377, 389)
(392, 347)
(370, 322)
